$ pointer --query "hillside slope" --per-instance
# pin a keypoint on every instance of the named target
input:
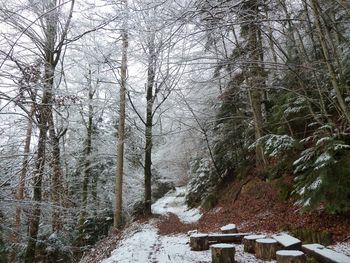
(254, 205)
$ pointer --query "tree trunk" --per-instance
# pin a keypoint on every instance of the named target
(327, 57)
(21, 185)
(87, 163)
(256, 77)
(51, 54)
(149, 124)
(44, 115)
(56, 183)
(121, 127)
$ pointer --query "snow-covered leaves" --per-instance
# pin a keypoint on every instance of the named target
(319, 165)
(275, 145)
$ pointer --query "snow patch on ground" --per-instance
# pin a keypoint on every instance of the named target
(174, 202)
(145, 245)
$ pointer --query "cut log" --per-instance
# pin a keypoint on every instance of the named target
(290, 256)
(249, 242)
(266, 248)
(324, 255)
(222, 253)
(229, 229)
(287, 242)
(227, 238)
(199, 242)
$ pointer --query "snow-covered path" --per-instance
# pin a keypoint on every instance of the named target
(143, 244)
(174, 202)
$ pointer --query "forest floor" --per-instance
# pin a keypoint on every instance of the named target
(253, 205)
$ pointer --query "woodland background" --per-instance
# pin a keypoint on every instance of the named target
(193, 92)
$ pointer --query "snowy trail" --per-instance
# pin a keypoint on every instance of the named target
(145, 244)
(174, 202)
(142, 243)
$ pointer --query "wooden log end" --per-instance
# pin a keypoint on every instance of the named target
(199, 242)
(287, 256)
(249, 242)
(266, 248)
(223, 253)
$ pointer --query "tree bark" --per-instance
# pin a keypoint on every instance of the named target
(255, 76)
(149, 123)
(223, 253)
(266, 248)
(199, 242)
(57, 180)
(325, 50)
(87, 162)
(51, 54)
(286, 256)
(21, 185)
(44, 115)
(121, 131)
(249, 242)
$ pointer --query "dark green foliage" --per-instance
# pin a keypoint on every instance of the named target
(284, 190)
(201, 183)
(94, 228)
(160, 186)
(231, 133)
(209, 202)
(54, 248)
(288, 115)
(324, 170)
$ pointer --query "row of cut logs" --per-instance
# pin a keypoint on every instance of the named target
(263, 247)
(282, 247)
(268, 249)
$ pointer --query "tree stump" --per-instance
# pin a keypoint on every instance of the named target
(229, 229)
(249, 242)
(290, 256)
(222, 253)
(266, 248)
(199, 242)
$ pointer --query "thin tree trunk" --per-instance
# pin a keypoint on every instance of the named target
(121, 130)
(345, 4)
(56, 182)
(21, 186)
(87, 164)
(255, 79)
(149, 124)
(328, 63)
